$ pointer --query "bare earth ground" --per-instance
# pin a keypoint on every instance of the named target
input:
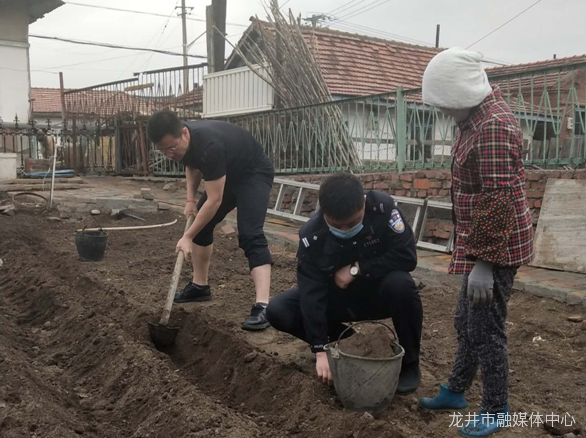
(76, 356)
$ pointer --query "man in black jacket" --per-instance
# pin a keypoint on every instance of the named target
(354, 260)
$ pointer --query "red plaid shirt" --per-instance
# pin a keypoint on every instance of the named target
(490, 208)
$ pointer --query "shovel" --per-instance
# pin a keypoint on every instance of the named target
(162, 335)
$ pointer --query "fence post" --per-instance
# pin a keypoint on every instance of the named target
(401, 140)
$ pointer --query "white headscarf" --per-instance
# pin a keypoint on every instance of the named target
(455, 79)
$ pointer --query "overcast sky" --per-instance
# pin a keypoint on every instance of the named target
(550, 27)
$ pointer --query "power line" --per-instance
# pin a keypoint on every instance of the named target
(142, 12)
(503, 25)
(359, 28)
(92, 62)
(151, 40)
(343, 8)
(113, 46)
(348, 16)
(364, 30)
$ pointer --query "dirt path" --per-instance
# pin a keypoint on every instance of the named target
(76, 357)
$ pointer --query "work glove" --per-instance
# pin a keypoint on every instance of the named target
(480, 283)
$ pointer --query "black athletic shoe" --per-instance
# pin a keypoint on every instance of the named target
(257, 319)
(409, 379)
(193, 293)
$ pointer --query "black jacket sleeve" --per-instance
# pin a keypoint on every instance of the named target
(314, 291)
(400, 254)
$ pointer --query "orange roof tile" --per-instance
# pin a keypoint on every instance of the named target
(359, 65)
(46, 100)
(522, 68)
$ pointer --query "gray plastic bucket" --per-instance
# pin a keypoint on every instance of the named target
(365, 384)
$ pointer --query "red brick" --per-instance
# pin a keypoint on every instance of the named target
(448, 227)
(421, 184)
(407, 185)
(581, 175)
(444, 192)
(367, 178)
(434, 192)
(381, 186)
(400, 193)
(396, 177)
(532, 176)
(431, 175)
(387, 176)
(556, 174)
(435, 184)
(567, 175)
(448, 176)
(368, 186)
(422, 194)
(442, 234)
(397, 185)
(447, 184)
(406, 177)
(420, 175)
(431, 225)
(427, 233)
(531, 203)
(534, 194)
(538, 185)
(441, 176)
(537, 204)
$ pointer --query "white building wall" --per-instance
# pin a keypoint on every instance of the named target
(236, 91)
(14, 62)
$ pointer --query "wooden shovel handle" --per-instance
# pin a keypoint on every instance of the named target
(175, 280)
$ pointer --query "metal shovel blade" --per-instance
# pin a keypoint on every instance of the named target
(163, 336)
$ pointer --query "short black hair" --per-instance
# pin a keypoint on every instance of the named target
(162, 123)
(341, 195)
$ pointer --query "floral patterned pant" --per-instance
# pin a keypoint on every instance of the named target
(482, 341)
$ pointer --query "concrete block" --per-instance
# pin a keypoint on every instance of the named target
(519, 285)
(544, 291)
(228, 230)
(576, 298)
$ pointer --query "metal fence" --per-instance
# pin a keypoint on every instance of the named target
(105, 130)
(397, 131)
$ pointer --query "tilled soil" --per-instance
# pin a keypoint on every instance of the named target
(76, 357)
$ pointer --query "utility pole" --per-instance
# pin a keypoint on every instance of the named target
(314, 19)
(437, 35)
(215, 30)
(184, 26)
(219, 14)
(210, 38)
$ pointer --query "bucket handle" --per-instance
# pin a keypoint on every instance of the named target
(369, 322)
(96, 221)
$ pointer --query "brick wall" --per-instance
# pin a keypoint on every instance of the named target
(433, 184)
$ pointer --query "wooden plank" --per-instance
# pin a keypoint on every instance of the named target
(560, 239)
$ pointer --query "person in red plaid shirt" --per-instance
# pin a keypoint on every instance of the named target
(493, 230)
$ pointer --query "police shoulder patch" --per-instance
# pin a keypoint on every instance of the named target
(396, 222)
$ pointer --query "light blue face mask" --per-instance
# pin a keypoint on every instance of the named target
(349, 234)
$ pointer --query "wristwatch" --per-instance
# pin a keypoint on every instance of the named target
(354, 270)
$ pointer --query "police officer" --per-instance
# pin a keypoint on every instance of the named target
(354, 259)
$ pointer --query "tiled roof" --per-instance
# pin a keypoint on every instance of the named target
(46, 100)
(107, 102)
(522, 68)
(358, 65)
